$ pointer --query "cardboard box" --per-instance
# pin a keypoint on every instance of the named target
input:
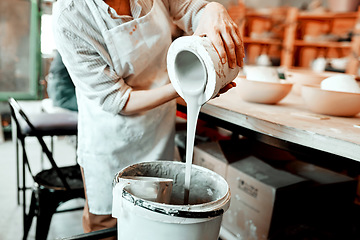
(266, 200)
(217, 155)
(331, 195)
(255, 188)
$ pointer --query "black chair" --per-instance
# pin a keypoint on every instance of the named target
(53, 186)
(54, 124)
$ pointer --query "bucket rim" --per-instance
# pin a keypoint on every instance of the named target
(183, 211)
(203, 210)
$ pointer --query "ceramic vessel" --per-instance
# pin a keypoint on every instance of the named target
(261, 73)
(341, 83)
(332, 103)
(300, 77)
(262, 92)
(193, 61)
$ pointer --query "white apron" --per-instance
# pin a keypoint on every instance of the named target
(138, 52)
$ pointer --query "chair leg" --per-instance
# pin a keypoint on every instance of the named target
(15, 141)
(17, 169)
(48, 204)
(23, 190)
(29, 217)
(43, 224)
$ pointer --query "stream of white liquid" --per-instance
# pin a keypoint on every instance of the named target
(193, 109)
(193, 90)
(192, 77)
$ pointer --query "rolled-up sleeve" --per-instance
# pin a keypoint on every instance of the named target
(186, 13)
(88, 63)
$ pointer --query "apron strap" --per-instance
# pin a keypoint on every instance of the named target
(96, 14)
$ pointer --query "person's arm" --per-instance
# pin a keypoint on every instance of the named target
(186, 13)
(140, 101)
(93, 75)
(217, 25)
(87, 61)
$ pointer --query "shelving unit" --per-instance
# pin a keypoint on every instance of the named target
(306, 33)
(293, 38)
(263, 32)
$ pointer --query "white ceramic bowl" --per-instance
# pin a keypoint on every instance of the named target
(302, 76)
(262, 92)
(341, 83)
(332, 103)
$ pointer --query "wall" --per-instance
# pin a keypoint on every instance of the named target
(14, 45)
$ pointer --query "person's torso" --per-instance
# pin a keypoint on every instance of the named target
(137, 49)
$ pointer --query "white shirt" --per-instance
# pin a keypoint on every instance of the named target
(108, 56)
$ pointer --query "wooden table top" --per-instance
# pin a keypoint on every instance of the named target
(290, 120)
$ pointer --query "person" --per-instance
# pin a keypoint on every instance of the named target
(115, 52)
(60, 88)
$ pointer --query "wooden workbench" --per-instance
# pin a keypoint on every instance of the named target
(286, 124)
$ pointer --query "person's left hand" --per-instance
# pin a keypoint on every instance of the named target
(217, 25)
(226, 88)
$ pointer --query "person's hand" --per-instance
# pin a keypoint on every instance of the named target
(217, 25)
(226, 88)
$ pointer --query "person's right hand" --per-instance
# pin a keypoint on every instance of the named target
(217, 25)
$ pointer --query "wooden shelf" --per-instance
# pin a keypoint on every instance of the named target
(326, 15)
(259, 22)
(268, 41)
(302, 43)
(265, 12)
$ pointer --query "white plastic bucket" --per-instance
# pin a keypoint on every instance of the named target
(140, 219)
